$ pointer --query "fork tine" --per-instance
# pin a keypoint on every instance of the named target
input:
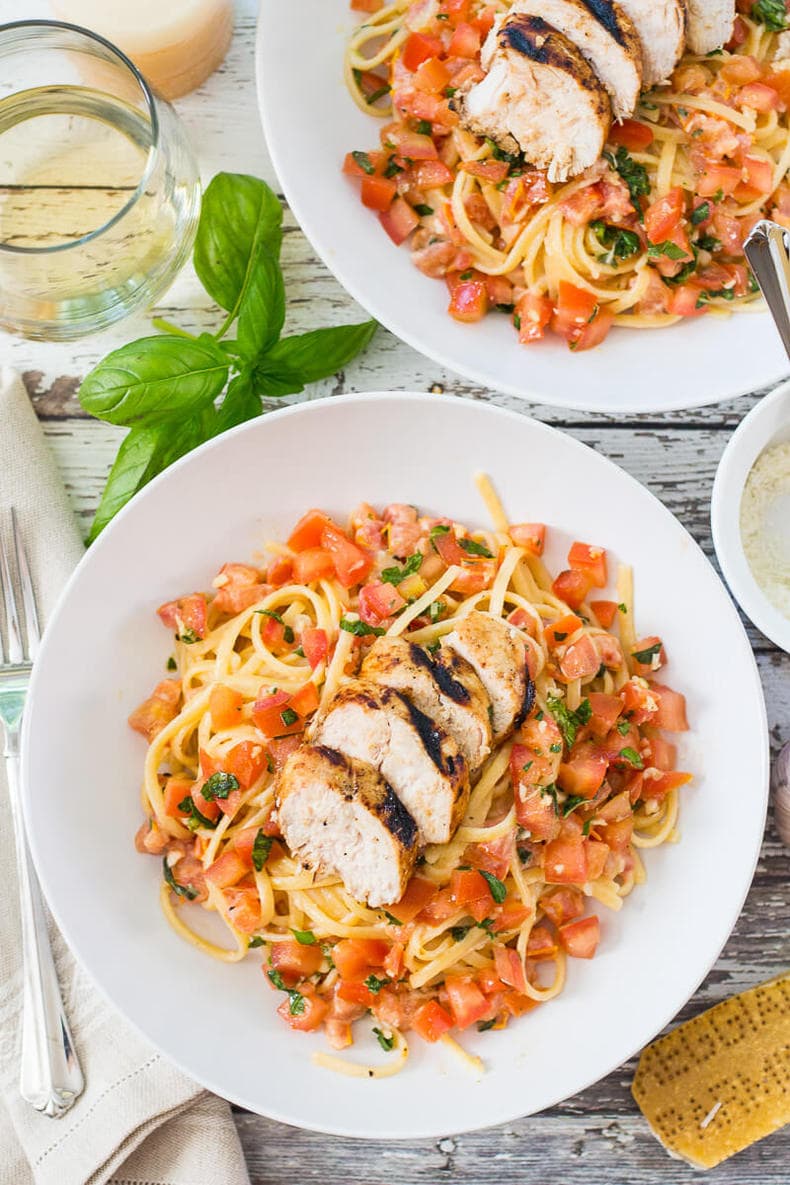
(28, 592)
(15, 652)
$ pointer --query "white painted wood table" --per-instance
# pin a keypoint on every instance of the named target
(598, 1137)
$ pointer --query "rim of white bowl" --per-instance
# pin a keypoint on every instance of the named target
(764, 425)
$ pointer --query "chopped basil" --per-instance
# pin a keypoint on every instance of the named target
(632, 757)
(709, 243)
(295, 1003)
(467, 275)
(189, 636)
(299, 652)
(771, 13)
(423, 210)
(377, 94)
(435, 610)
(450, 91)
(512, 158)
(527, 766)
(722, 293)
(385, 1042)
(517, 321)
(622, 607)
(305, 937)
(219, 785)
(256, 940)
(459, 932)
(555, 748)
(586, 827)
(570, 804)
(700, 214)
(472, 547)
(634, 175)
(277, 979)
(498, 890)
(551, 792)
(396, 575)
(645, 657)
(172, 665)
(486, 924)
(559, 637)
(289, 717)
(374, 984)
(393, 921)
(289, 634)
(504, 308)
(622, 243)
(424, 127)
(432, 647)
(718, 195)
(393, 168)
(260, 850)
(524, 854)
(484, 1025)
(439, 529)
(181, 890)
(623, 727)
(569, 722)
(360, 629)
(196, 819)
(668, 248)
(364, 162)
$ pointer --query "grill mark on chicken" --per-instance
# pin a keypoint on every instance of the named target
(390, 809)
(605, 14)
(527, 704)
(539, 41)
(428, 734)
(441, 675)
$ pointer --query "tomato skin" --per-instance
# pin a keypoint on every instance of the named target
(225, 705)
(468, 301)
(352, 564)
(467, 1002)
(314, 1014)
(279, 572)
(574, 309)
(470, 891)
(657, 782)
(664, 215)
(313, 564)
(510, 967)
(378, 601)
(295, 961)
(540, 944)
(399, 221)
(606, 710)
(632, 134)
(563, 905)
(605, 611)
(584, 772)
(431, 1021)
(419, 892)
(418, 48)
(187, 613)
(571, 587)
(308, 531)
(354, 957)
(227, 870)
(530, 536)
(378, 193)
(565, 862)
(267, 714)
(580, 939)
(315, 645)
(671, 713)
(584, 557)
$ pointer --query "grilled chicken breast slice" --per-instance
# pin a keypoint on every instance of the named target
(448, 691)
(661, 25)
(421, 762)
(709, 24)
(539, 96)
(338, 815)
(605, 36)
(498, 656)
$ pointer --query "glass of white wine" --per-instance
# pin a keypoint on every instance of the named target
(99, 190)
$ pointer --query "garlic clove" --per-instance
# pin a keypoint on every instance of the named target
(780, 783)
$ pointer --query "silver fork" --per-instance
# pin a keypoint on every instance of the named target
(50, 1078)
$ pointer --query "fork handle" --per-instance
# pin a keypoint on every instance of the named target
(51, 1078)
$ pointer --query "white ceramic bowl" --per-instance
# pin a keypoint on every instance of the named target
(104, 650)
(311, 122)
(766, 424)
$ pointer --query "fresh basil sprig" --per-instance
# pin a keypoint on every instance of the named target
(176, 390)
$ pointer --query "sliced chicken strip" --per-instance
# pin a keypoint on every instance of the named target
(606, 37)
(709, 24)
(339, 816)
(499, 658)
(421, 762)
(539, 96)
(448, 691)
(661, 25)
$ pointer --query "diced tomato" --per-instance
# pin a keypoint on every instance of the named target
(225, 705)
(683, 301)
(593, 333)
(281, 749)
(605, 611)
(584, 772)
(227, 870)
(430, 174)
(378, 601)
(305, 700)
(571, 587)
(399, 221)
(465, 42)
(581, 659)
(468, 300)
(671, 713)
(741, 69)
(632, 134)
(656, 782)
(663, 754)
(246, 761)
(311, 1014)
(156, 712)
(309, 529)
(469, 890)
(492, 171)
(354, 957)
(758, 97)
(315, 645)
(272, 716)
(417, 48)
(393, 964)
(419, 892)
(485, 19)
(565, 862)
(717, 177)
(313, 564)
(583, 557)
(377, 193)
(511, 915)
(664, 215)
(243, 842)
(244, 909)
(352, 564)
(645, 646)
(353, 168)
(467, 1002)
(355, 992)
(186, 614)
(431, 76)
(758, 178)
(541, 944)
(535, 811)
(510, 967)
(562, 905)
(558, 632)
(530, 536)
(366, 5)
(580, 939)
(617, 835)
(615, 809)
(431, 1021)
(533, 315)
(409, 145)
(280, 571)
(597, 855)
(575, 307)
(494, 856)
(295, 961)
(174, 791)
(779, 80)
(740, 31)
(606, 710)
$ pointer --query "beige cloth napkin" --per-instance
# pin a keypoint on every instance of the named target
(139, 1121)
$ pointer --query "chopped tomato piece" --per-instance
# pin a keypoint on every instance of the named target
(593, 333)
(187, 615)
(227, 870)
(238, 586)
(378, 601)
(684, 301)
(758, 96)
(311, 1013)
(366, 5)
(244, 909)
(540, 944)
(571, 587)
(467, 1002)
(378, 193)
(664, 215)
(399, 221)
(535, 811)
(418, 48)
(225, 705)
(246, 761)
(584, 772)
(617, 835)
(511, 915)
(315, 645)
(580, 939)
(632, 134)
(671, 713)
(295, 961)
(581, 660)
(605, 611)
(717, 177)
(562, 905)
(354, 957)
(565, 862)
(280, 571)
(305, 700)
(575, 307)
(158, 710)
(663, 754)
(640, 704)
(605, 712)
(309, 529)
(432, 76)
(468, 300)
(355, 992)
(615, 809)
(532, 316)
(174, 791)
(530, 536)
(281, 749)
(352, 564)
(408, 144)
(273, 715)
(431, 1021)
(510, 967)
(657, 782)
(652, 654)
(469, 890)
(559, 631)
(583, 557)
(419, 892)
(393, 964)
(313, 564)
(243, 842)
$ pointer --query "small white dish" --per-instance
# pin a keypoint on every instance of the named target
(766, 424)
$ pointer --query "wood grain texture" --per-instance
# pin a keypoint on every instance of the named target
(598, 1136)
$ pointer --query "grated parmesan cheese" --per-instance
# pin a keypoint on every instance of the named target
(765, 524)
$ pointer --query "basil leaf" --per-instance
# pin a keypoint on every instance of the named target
(305, 937)
(393, 921)
(552, 793)
(277, 980)
(472, 547)
(256, 940)
(385, 1042)
(570, 804)
(396, 575)
(196, 817)
(241, 403)
(219, 785)
(155, 379)
(363, 160)
(484, 1025)
(237, 214)
(186, 891)
(634, 175)
(295, 1003)
(699, 214)
(459, 932)
(261, 847)
(374, 984)
(498, 890)
(623, 727)
(771, 13)
(569, 722)
(360, 629)
(261, 306)
(632, 757)
(289, 717)
(645, 657)
(667, 248)
(308, 357)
